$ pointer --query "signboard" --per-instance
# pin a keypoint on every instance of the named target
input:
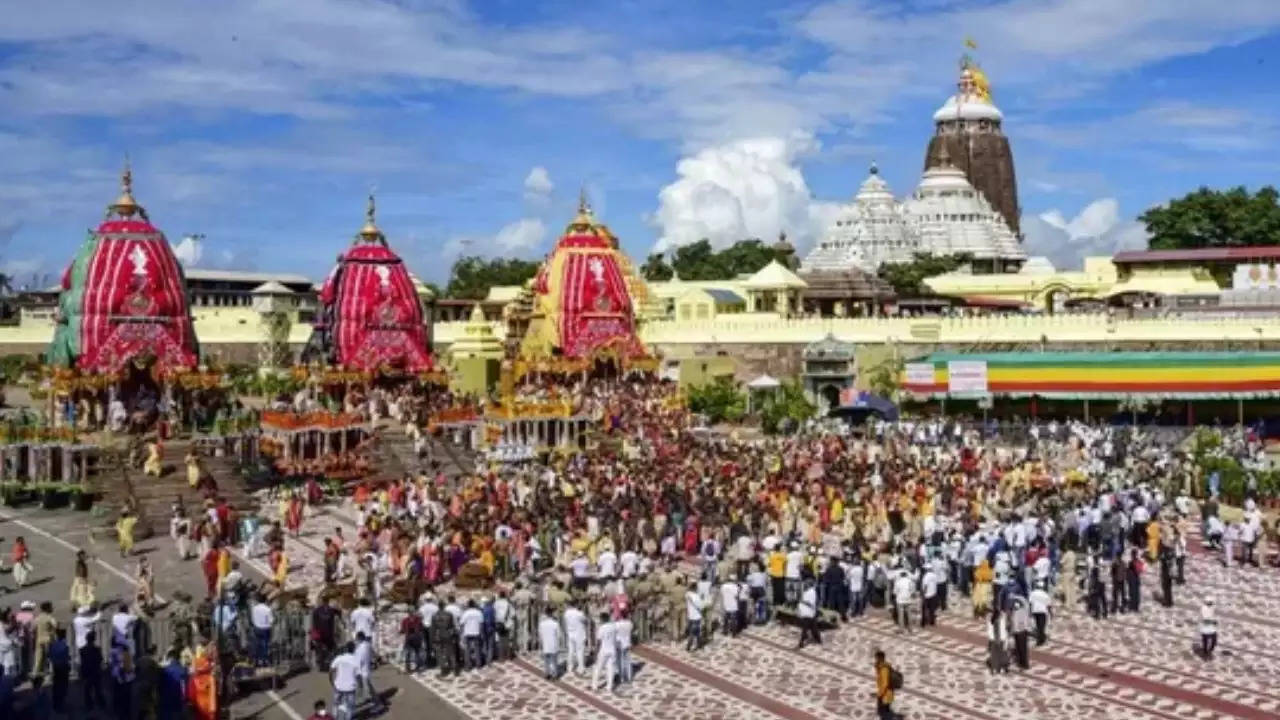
(919, 374)
(1255, 276)
(967, 376)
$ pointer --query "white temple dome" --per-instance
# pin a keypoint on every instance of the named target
(972, 100)
(868, 232)
(967, 108)
(950, 216)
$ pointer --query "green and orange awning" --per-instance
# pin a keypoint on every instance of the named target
(1101, 375)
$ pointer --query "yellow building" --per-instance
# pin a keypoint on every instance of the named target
(708, 303)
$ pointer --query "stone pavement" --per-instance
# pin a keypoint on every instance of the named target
(1132, 666)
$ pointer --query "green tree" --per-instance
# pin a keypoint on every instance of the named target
(1215, 218)
(907, 278)
(472, 276)
(885, 378)
(786, 408)
(720, 400)
(656, 269)
(700, 261)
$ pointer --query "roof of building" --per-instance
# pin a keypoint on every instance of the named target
(271, 287)
(772, 276)
(725, 297)
(854, 282)
(245, 277)
(1198, 254)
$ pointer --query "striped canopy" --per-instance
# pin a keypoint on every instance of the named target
(1111, 375)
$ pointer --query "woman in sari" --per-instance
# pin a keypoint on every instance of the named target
(152, 466)
(146, 583)
(21, 562)
(982, 577)
(192, 462)
(82, 589)
(201, 687)
(293, 515)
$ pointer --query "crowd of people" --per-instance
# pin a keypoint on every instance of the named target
(661, 530)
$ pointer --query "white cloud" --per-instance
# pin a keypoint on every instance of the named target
(538, 186)
(521, 235)
(740, 190)
(189, 250)
(514, 238)
(1096, 230)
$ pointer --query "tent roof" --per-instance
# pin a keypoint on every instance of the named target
(772, 276)
(764, 382)
(271, 288)
(1112, 359)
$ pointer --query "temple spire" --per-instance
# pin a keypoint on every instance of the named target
(944, 155)
(125, 206)
(370, 231)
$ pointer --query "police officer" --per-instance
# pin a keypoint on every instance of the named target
(444, 641)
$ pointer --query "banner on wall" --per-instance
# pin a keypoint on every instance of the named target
(967, 376)
(1256, 276)
(919, 374)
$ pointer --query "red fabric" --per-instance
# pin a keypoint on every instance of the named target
(135, 301)
(378, 318)
(595, 307)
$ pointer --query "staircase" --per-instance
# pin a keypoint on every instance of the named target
(154, 497)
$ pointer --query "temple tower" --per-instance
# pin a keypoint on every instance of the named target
(968, 126)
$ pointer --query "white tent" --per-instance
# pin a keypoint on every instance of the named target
(764, 383)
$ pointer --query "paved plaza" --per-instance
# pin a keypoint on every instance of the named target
(1131, 666)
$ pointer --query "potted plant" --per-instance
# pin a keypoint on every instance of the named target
(14, 493)
(81, 498)
(52, 494)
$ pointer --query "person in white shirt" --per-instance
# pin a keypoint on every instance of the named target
(729, 607)
(757, 586)
(549, 644)
(902, 589)
(581, 567)
(122, 625)
(693, 604)
(630, 562)
(504, 620)
(263, 619)
(575, 632)
(362, 619)
(807, 611)
(1229, 544)
(87, 617)
(1208, 628)
(1041, 606)
(344, 676)
(472, 623)
(364, 671)
(855, 574)
(606, 652)
(428, 608)
(606, 564)
(928, 598)
(744, 549)
(622, 638)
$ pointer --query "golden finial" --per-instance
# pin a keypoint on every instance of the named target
(125, 206)
(584, 218)
(370, 231)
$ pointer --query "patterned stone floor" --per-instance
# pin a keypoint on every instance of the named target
(1135, 666)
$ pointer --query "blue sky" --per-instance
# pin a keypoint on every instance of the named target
(263, 125)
